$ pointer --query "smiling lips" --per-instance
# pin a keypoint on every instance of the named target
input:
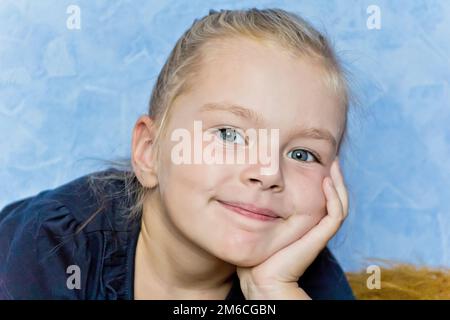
(250, 210)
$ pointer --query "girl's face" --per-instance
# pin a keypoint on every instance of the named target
(277, 91)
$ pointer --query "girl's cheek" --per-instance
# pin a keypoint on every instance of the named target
(197, 178)
(307, 193)
(199, 170)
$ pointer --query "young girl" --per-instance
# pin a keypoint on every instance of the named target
(202, 229)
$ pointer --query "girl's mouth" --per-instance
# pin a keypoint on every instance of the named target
(237, 208)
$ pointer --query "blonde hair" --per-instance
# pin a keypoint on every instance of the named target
(277, 26)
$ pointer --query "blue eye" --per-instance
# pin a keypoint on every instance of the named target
(302, 155)
(230, 135)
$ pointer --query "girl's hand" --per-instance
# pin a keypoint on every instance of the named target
(276, 277)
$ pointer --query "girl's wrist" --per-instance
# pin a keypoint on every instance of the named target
(274, 292)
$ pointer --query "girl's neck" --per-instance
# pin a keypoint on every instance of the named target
(170, 266)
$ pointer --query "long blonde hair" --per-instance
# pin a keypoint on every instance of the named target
(292, 33)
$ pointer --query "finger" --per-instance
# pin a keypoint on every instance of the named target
(335, 208)
(338, 180)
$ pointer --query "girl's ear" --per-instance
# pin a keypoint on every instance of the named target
(143, 151)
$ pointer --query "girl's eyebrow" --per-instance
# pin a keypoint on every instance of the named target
(240, 111)
(249, 114)
(318, 134)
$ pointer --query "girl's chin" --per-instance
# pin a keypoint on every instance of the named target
(248, 260)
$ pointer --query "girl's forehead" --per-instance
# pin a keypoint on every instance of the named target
(283, 90)
(264, 80)
(245, 65)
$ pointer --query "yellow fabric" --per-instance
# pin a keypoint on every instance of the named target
(403, 281)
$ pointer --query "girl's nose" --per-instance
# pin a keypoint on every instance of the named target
(252, 176)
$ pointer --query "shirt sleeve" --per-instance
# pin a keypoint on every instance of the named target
(325, 280)
(32, 231)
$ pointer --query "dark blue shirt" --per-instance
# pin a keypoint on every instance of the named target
(44, 236)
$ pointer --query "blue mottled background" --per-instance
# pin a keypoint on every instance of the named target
(70, 95)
